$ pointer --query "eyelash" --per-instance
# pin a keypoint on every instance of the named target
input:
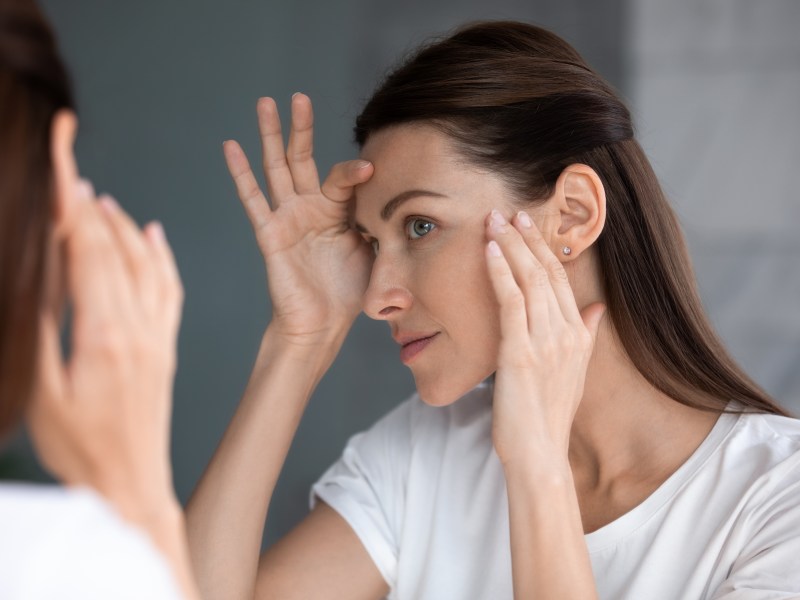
(408, 229)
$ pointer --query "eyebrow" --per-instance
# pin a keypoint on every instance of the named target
(393, 204)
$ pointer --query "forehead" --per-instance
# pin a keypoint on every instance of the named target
(411, 145)
(408, 157)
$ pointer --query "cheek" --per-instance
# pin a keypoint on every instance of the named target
(465, 307)
(464, 292)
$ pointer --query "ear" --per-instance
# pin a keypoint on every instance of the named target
(65, 168)
(580, 199)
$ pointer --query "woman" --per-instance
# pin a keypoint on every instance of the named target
(578, 432)
(99, 420)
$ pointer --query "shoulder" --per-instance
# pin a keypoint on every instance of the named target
(759, 465)
(763, 453)
(785, 431)
(78, 540)
(388, 471)
(765, 440)
(758, 451)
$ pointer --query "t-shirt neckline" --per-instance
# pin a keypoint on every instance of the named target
(613, 532)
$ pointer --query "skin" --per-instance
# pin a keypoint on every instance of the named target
(417, 280)
(582, 437)
(126, 298)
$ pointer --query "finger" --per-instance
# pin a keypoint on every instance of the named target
(97, 279)
(134, 252)
(250, 194)
(276, 169)
(344, 176)
(300, 153)
(530, 275)
(171, 287)
(555, 270)
(592, 315)
(513, 313)
(83, 191)
(50, 381)
(47, 414)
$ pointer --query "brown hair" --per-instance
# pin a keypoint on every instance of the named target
(33, 86)
(519, 100)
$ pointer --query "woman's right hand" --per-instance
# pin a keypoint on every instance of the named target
(317, 265)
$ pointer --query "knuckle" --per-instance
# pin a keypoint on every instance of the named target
(517, 356)
(89, 237)
(563, 345)
(556, 270)
(536, 276)
(106, 338)
(338, 176)
(249, 189)
(513, 299)
(274, 164)
(585, 339)
(302, 155)
(138, 264)
(137, 249)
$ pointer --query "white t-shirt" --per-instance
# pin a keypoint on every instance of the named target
(68, 544)
(425, 492)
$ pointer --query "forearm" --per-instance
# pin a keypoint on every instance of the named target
(548, 552)
(227, 511)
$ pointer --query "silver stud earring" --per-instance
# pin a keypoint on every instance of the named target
(566, 250)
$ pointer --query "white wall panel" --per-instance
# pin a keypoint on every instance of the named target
(715, 85)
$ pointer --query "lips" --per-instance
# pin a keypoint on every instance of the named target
(413, 344)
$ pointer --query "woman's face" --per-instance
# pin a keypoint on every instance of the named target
(424, 211)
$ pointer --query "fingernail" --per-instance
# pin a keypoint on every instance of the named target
(362, 164)
(295, 95)
(156, 232)
(84, 189)
(494, 249)
(524, 219)
(498, 221)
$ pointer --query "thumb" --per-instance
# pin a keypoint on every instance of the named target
(344, 176)
(592, 315)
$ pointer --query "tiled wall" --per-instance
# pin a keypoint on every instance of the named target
(715, 85)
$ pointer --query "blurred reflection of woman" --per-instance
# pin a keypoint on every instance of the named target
(99, 420)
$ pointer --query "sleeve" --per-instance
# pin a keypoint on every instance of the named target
(366, 486)
(768, 568)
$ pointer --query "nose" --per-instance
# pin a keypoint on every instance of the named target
(386, 295)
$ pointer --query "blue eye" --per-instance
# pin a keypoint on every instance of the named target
(416, 228)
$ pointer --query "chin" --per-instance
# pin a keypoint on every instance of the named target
(444, 390)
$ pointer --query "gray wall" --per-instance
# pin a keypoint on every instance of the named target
(161, 84)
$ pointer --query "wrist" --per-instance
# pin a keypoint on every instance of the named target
(542, 462)
(312, 350)
(145, 506)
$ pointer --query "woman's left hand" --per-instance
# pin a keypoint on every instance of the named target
(546, 343)
(100, 417)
